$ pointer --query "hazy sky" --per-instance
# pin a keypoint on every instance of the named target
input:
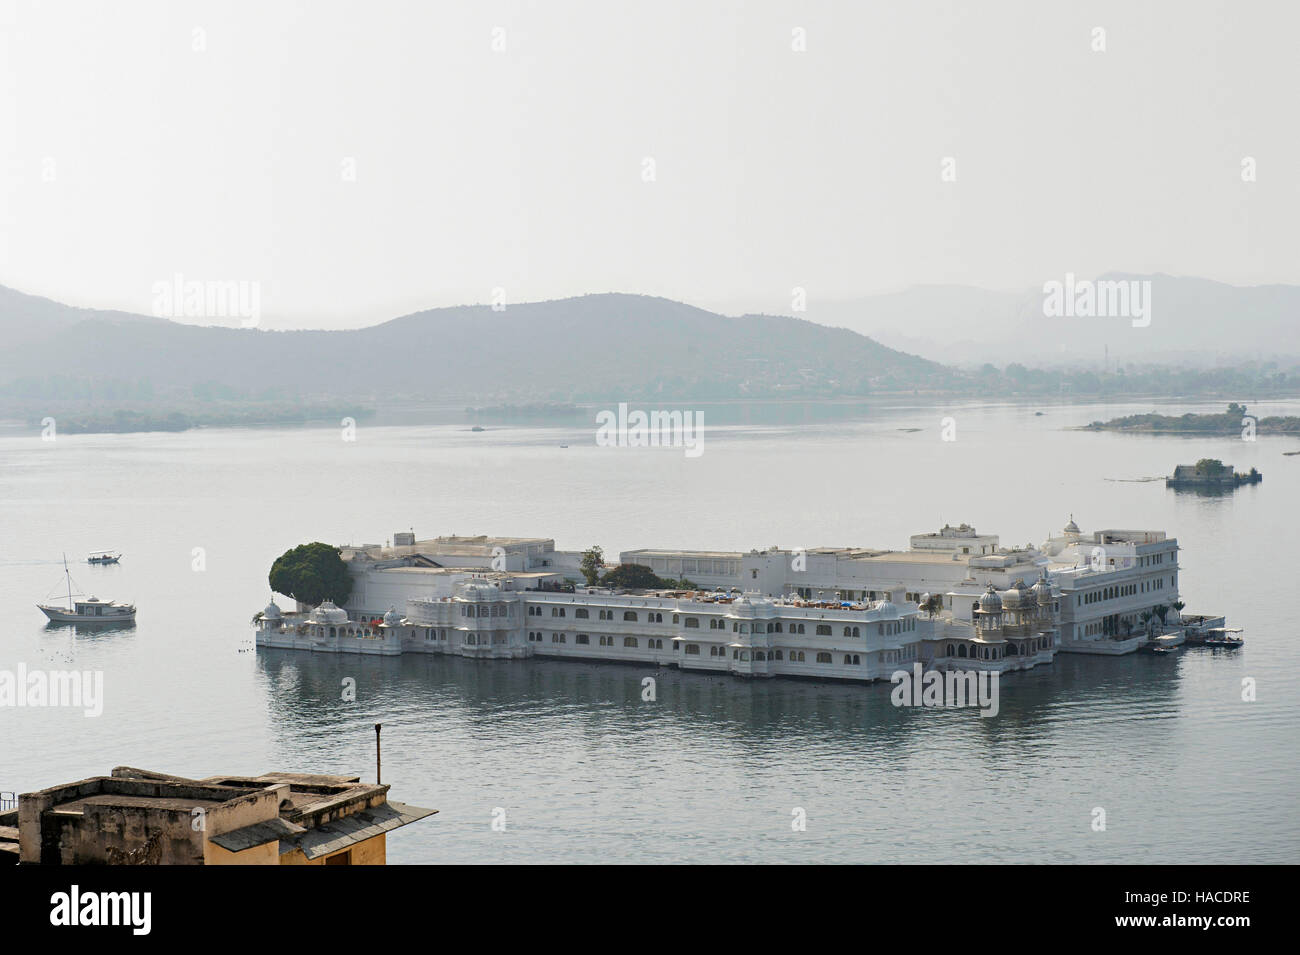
(130, 156)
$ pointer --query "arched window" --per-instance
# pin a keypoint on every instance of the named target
(629, 615)
(961, 650)
(824, 658)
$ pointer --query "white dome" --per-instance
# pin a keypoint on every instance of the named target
(991, 602)
(886, 608)
(741, 607)
(272, 611)
(480, 590)
(392, 618)
(1015, 596)
(328, 613)
(1042, 590)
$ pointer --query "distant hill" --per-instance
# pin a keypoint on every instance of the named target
(609, 346)
(1192, 320)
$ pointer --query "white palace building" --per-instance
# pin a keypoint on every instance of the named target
(828, 613)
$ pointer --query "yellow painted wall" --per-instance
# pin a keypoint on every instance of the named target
(268, 854)
(374, 851)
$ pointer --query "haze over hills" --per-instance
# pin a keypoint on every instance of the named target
(1193, 320)
(594, 346)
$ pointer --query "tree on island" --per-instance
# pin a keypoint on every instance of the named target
(641, 577)
(593, 559)
(1209, 467)
(311, 574)
(1161, 611)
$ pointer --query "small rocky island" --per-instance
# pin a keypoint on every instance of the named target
(1211, 473)
(1236, 420)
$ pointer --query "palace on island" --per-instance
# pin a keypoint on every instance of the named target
(955, 599)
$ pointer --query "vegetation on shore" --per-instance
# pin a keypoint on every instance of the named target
(1232, 422)
(127, 421)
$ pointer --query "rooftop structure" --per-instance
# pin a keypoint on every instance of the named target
(140, 817)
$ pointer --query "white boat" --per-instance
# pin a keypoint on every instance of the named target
(88, 609)
(104, 557)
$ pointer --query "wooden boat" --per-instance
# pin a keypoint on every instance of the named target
(88, 609)
(103, 557)
(1224, 637)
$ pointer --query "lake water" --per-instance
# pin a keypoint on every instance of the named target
(712, 771)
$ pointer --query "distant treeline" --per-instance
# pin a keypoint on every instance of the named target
(532, 410)
(1266, 379)
(125, 421)
(1231, 422)
(140, 390)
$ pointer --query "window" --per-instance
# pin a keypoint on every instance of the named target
(824, 658)
(629, 641)
(692, 623)
(776, 655)
(823, 629)
(693, 649)
(629, 615)
(582, 613)
(582, 638)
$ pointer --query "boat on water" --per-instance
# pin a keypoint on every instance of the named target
(1228, 637)
(87, 609)
(104, 557)
(1159, 648)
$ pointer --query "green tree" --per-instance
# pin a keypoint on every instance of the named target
(680, 583)
(593, 559)
(311, 574)
(933, 605)
(632, 577)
